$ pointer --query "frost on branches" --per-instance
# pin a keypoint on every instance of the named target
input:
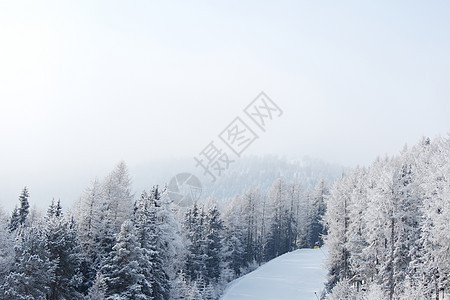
(388, 227)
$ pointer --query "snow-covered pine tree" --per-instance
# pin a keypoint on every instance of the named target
(115, 207)
(125, 268)
(193, 225)
(213, 243)
(249, 204)
(281, 222)
(6, 247)
(64, 251)
(336, 222)
(293, 202)
(24, 207)
(233, 243)
(117, 202)
(388, 227)
(170, 243)
(431, 265)
(19, 215)
(316, 210)
(31, 270)
(98, 290)
(272, 248)
(14, 220)
(357, 230)
(407, 204)
(180, 287)
(148, 235)
(88, 218)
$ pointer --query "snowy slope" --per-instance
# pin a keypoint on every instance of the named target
(294, 275)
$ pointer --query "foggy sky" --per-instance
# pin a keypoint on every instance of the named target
(85, 84)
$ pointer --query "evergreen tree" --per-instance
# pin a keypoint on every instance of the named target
(275, 245)
(14, 221)
(249, 209)
(117, 198)
(387, 227)
(65, 252)
(213, 239)
(6, 247)
(19, 215)
(336, 219)
(24, 207)
(180, 288)
(148, 233)
(114, 208)
(316, 211)
(98, 289)
(170, 243)
(32, 269)
(233, 243)
(126, 267)
(193, 226)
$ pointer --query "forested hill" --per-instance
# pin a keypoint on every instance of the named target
(247, 172)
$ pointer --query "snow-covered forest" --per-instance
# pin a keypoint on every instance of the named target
(388, 227)
(385, 226)
(116, 245)
(201, 150)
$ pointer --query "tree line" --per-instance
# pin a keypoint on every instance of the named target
(113, 245)
(388, 227)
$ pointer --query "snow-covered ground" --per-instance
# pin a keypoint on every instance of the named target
(294, 275)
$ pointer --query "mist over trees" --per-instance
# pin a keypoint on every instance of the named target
(114, 244)
(386, 228)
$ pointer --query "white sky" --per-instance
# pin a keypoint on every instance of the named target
(85, 84)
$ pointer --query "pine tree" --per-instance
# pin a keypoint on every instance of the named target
(125, 268)
(113, 208)
(32, 269)
(65, 252)
(170, 241)
(180, 288)
(88, 219)
(431, 264)
(387, 227)
(148, 233)
(213, 240)
(316, 211)
(336, 220)
(19, 215)
(117, 200)
(250, 213)
(98, 289)
(275, 245)
(14, 221)
(233, 243)
(361, 266)
(6, 247)
(24, 207)
(193, 226)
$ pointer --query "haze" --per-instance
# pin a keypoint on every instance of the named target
(84, 85)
